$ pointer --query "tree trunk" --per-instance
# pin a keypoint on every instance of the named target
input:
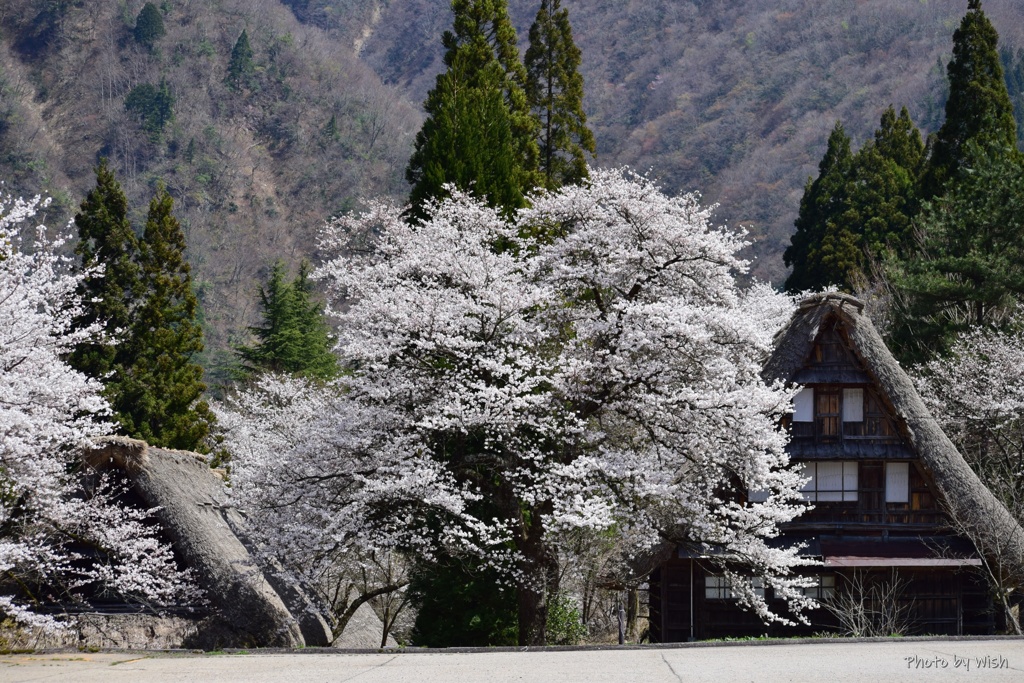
(533, 612)
(346, 616)
(538, 580)
(632, 613)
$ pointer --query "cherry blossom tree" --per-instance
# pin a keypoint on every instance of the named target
(587, 366)
(307, 470)
(977, 395)
(62, 536)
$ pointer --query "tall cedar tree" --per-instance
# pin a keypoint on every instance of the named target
(241, 67)
(293, 338)
(479, 134)
(861, 207)
(819, 204)
(879, 201)
(966, 270)
(105, 237)
(978, 107)
(554, 89)
(161, 400)
(149, 26)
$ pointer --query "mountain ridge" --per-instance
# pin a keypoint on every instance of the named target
(732, 99)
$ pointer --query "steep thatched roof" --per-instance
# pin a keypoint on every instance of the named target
(984, 519)
(205, 530)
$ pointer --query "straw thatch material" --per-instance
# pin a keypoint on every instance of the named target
(193, 510)
(969, 502)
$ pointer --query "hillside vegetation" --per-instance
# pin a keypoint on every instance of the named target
(255, 167)
(734, 99)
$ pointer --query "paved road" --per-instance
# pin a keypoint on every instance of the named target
(817, 662)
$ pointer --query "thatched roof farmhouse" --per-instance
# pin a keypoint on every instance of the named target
(893, 499)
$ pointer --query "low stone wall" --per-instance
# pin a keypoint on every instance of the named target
(119, 631)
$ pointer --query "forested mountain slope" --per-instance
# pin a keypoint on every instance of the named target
(732, 98)
(255, 164)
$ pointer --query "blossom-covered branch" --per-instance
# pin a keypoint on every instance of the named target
(62, 536)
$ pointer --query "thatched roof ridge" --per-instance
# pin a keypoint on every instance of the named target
(194, 512)
(967, 499)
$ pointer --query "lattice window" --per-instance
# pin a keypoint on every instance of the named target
(824, 588)
(830, 481)
(720, 588)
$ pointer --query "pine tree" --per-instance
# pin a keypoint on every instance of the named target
(241, 67)
(105, 237)
(149, 26)
(294, 337)
(161, 400)
(978, 107)
(554, 89)
(479, 134)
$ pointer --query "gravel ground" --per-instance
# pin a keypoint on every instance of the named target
(828, 661)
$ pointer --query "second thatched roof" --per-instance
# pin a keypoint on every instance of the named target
(975, 510)
(252, 608)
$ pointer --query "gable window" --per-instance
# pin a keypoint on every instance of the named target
(803, 405)
(853, 405)
(897, 482)
(830, 481)
(829, 413)
(826, 412)
(875, 421)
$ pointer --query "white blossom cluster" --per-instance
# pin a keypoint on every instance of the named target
(589, 363)
(60, 540)
(977, 395)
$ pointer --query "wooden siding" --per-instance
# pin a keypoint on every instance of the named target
(937, 602)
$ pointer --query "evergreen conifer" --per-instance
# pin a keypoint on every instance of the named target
(161, 401)
(821, 202)
(880, 196)
(554, 89)
(241, 67)
(969, 269)
(965, 270)
(153, 105)
(1013, 70)
(149, 26)
(105, 237)
(479, 133)
(861, 206)
(978, 107)
(294, 337)
(318, 359)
